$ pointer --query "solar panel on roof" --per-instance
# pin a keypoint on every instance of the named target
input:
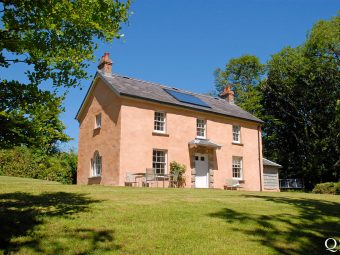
(186, 98)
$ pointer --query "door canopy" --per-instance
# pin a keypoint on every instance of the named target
(204, 143)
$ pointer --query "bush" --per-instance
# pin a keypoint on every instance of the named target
(327, 188)
(25, 162)
(18, 162)
(180, 169)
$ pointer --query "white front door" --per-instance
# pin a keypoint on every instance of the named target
(202, 171)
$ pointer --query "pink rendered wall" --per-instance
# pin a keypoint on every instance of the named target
(104, 140)
(138, 141)
(221, 132)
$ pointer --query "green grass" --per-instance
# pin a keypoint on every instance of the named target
(40, 217)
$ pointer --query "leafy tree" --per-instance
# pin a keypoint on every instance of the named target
(245, 75)
(30, 116)
(302, 93)
(55, 39)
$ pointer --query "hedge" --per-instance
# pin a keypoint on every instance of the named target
(327, 188)
(25, 162)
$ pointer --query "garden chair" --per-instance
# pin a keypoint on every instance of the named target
(150, 178)
(130, 180)
(232, 184)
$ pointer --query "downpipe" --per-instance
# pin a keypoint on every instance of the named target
(259, 151)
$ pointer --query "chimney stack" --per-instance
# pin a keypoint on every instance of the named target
(228, 94)
(105, 64)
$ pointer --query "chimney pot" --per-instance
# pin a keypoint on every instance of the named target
(105, 64)
(228, 94)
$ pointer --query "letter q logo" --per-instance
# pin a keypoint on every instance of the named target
(331, 244)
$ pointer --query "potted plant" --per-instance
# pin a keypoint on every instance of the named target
(177, 170)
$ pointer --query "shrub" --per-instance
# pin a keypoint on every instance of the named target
(180, 169)
(18, 162)
(327, 188)
(25, 162)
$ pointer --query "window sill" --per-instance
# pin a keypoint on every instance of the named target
(97, 128)
(160, 134)
(95, 177)
(200, 137)
(239, 144)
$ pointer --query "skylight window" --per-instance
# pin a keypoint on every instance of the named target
(186, 98)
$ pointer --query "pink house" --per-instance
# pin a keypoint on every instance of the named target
(128, 125)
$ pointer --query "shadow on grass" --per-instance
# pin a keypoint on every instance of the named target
(22, 213)
(301, 232)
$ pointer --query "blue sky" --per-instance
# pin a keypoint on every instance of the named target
(181, 43)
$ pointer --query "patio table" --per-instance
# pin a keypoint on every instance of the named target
(158, 177)
(139, 176)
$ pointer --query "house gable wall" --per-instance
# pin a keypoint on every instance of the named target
(105, 140)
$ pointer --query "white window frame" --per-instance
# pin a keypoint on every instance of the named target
(157, 121)
(199, 128)
(98, 121)
(236, 134)
(96, 165)
(155, 160)
(237, 166)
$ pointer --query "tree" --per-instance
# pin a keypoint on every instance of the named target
(302, 93)
(30, 116)
(245, 75)
(55, 39)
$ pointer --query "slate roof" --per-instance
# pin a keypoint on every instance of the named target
(126, 86)
(130, 87)
(267, 162)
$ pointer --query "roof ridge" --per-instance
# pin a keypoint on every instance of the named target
(165, 86)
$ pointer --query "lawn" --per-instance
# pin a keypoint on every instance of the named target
(40, 217)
